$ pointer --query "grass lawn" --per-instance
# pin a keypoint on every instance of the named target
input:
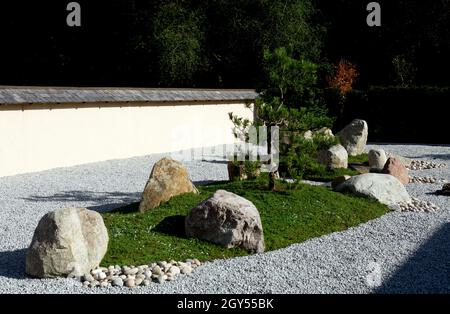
(363, 158)
(329, 175)
(288, 216)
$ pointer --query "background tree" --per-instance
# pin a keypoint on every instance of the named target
(342, 80)
(179, 40)
(293, 25)
(404, 70)
(129, 42)
(290, 79)
(419, 27)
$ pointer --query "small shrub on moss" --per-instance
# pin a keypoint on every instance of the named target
(301, 156)
(243, 169)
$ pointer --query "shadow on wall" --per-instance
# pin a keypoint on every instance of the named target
(12, 264)
(427, 271)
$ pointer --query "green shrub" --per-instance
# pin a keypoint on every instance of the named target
(244, 169)
(313, 118)
(290, 103)
(301, 156)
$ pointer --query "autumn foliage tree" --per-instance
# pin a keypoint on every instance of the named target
(344, 77)
(345, 74)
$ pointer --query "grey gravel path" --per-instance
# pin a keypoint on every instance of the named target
(399, 252)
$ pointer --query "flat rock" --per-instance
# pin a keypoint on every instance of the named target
(385, 188)
(361, 168)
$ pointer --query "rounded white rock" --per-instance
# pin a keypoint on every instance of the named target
(174, 270)
(130, 283)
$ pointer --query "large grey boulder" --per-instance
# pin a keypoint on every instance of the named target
(354, 137)
(227, 219)
(168, 178)
(70, 241)
(382, 187)
(377, 159)
(335, 157)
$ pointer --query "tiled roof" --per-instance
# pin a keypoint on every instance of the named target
(39, 95)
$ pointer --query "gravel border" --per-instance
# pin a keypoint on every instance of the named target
(399, 252)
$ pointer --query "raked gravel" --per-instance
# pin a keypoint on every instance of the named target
(399, 252)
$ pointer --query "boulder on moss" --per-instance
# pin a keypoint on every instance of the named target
(385, 188)
(168, 178)
(227, 219)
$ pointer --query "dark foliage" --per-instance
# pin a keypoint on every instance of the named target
(134, 42)
(396, 114)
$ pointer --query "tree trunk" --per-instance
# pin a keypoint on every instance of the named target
(272, 174)
(342, 112)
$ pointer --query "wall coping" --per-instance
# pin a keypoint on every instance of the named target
(29, 95)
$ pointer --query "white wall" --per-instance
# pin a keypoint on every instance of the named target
(42, 138)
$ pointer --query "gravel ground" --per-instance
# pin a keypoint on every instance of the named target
(399, 252)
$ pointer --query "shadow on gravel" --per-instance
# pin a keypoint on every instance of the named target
(212, 161)
(427, 271)
(12, 264)
(438, 193)
(439, 156)
(98, 198)
(434, 156)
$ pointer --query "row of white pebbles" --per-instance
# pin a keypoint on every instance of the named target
(425, 165)
(430, 180)
(417, 205)
(134, 276)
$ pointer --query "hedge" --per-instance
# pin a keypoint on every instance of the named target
(394, 114)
